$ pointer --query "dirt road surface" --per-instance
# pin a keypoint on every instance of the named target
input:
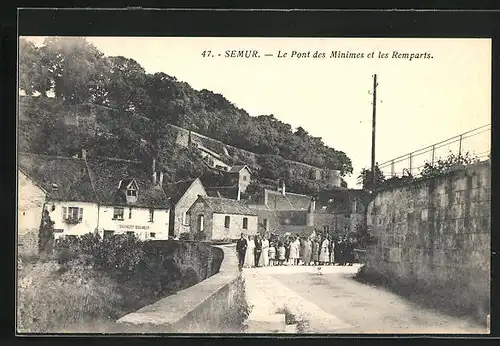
(351, 306)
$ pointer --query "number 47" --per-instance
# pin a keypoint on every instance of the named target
(206, 53)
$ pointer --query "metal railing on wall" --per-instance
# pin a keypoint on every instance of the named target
(474, 144)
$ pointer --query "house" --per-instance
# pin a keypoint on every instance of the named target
(280, 211)
(30, 202)
(240, 176)
(222, 218)
(95, 194)
(213, 159)
(182, 195)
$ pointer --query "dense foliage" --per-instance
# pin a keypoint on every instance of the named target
(441, 166)
(76, 72)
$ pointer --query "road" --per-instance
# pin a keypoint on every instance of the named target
(333, 302)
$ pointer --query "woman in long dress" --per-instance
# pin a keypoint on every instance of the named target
(264, 257)
(293, 252)
(249, 255)
(315, 251)
(303, 247)
(332, 251)
(308, 252)
(297, 251)
(324, 256)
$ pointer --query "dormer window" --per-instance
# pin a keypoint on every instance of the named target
(130, 189)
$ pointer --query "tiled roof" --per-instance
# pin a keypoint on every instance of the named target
(291, 201)
(96, 181)
(175, 191)
(237, 168)
(223, 191)
(299, 202)
(228, 206)
(106, 175)
(69, 174)
(276, 201)
(303, 231)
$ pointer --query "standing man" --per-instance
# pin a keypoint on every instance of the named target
(258, 250)
(241, 249)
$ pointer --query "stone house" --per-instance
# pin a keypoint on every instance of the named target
(104, 195)
(240, 176)
(182, 195)
(280, 211)
(222, 218)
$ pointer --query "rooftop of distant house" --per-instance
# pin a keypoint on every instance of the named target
(94, 179)
(223, 205)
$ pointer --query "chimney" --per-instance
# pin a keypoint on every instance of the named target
(283, 189)
(310, 213)
(313, 204)
(153, 169)
(239, 193)
(161, 178)
(265, 197)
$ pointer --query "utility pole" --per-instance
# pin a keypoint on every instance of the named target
(373, 126)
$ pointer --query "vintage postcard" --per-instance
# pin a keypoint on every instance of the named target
(253, 185)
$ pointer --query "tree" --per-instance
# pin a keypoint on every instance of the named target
(126, 82)
(33, 74)
(366, 178)
(71, 63)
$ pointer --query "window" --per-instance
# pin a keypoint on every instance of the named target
(227, 221)
(108, 234)
(151, 215)
(118, 213)
(73, 214)
(245, 223)
(152, 235)
(129, 213)
(326, 228)
(131, 193)
(185, 219)
(200, 223)
(244, 177)
(266, 224)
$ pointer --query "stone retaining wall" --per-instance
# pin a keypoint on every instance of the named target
(202, 308)
(435, 235)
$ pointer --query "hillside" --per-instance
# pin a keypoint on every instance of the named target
(109, 104)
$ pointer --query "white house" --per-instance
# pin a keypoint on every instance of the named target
(109, 196)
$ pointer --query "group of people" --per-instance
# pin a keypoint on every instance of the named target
(257, 251)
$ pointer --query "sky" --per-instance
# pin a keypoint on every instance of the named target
(419, 101)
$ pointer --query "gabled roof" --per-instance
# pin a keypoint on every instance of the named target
(128, 184)
(69, 174)
(238, 168)
(227, 206)
(106, 174)
(175, 191)
(223, 191)
(94, 181)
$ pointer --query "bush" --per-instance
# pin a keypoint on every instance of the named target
(200, 236)
(52, 298)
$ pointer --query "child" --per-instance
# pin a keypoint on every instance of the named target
(281, 253)
(272, 254)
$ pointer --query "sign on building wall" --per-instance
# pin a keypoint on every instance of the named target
(133, 227)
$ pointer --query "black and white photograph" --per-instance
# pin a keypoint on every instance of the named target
(253, 185)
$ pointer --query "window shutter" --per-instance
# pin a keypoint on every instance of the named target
(65, 213)
(80, 215)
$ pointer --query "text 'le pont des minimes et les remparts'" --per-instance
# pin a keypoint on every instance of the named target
(334, 54)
